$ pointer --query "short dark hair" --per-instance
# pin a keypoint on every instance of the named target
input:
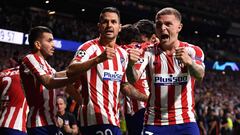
(146, 27)
(109, 9)
(63, 98)
(169, 11)
(129, 34)
(36, 33)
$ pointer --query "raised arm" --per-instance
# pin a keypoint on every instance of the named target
(132, 73)
(49, 80)
(52, 82)
(196, 70)
(80, 67)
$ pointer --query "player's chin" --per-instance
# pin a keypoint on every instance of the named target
(110, 37)
(50, 53)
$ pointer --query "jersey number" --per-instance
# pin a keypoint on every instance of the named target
(9, 81)
(4, 96)
(106, 132)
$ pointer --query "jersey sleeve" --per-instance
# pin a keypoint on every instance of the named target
(124, 78)
(198, 56)
(84, 52)
(33, 64)
(141, 64)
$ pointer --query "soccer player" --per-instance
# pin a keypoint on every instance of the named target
(39, 81)
(147, 31)
(102, 65)
(134, 110)
(174, 66)
(66, 121)
(129, 34)
(13, 104)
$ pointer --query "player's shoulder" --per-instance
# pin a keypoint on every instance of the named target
(186, 44)
(146, 45)
(194, 46)
(9, 72)
(4, 72)
(29, 56)
(32, 59)
(151, 48)
(125, 46)
(88, 44)
(123, 49)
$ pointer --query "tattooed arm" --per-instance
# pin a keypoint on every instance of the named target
(128, 90)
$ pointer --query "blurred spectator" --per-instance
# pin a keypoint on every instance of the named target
(202, 122)
(236, 125)
(213, 123)
(66, 121)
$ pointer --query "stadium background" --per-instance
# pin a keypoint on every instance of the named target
(214, 25)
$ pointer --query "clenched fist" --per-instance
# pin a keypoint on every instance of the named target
(134, 55)
(108, 53)
(183, 57)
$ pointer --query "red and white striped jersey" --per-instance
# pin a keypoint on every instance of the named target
(101, 85)
(13, 108)
(41, 101)
(133, 105)
(172, 88)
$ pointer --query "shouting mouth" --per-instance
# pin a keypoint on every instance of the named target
(109, 31)
(164, 37)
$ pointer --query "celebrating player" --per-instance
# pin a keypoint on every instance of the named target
(102, 65)
(174, 66)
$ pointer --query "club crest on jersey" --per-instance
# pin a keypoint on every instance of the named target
(112, 75)
(170, 79)
(81, 53)
(41, 66)
(122, 61)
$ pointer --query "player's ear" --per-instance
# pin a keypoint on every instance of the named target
(37, 44)
(180, 27)
(120, 27)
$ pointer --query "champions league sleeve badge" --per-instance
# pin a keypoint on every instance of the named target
(140, 60)
(81, 53)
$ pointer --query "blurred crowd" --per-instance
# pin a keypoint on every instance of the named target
(64, 26)
(217, 7)
(216, 45)
(10, 54)
(218, 103)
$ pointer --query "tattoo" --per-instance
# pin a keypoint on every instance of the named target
(132, 74)
(129, 90)
(196, 70)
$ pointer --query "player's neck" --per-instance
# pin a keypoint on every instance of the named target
(107, 43)
(40, 54)
(170, 49)
(61, 112)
